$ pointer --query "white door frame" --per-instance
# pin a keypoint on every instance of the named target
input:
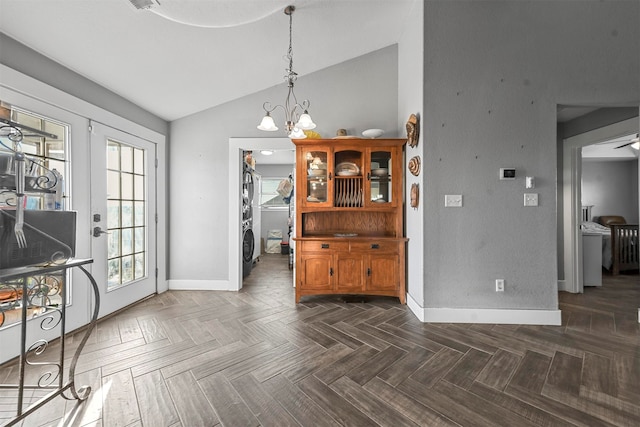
(236, 147)
(572, 190)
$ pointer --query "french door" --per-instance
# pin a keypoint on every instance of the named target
(123, 215)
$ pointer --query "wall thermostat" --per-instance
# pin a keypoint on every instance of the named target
(507, 173)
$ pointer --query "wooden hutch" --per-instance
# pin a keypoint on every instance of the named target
(349, 217)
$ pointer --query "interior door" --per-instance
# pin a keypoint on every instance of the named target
(123, 207)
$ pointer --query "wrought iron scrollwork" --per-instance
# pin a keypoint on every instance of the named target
(43, 288)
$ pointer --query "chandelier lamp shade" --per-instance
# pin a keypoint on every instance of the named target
(297, 118)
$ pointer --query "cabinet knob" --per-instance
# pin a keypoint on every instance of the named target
(368, 271)
(375, 246)
(324, 246)
(330, 271)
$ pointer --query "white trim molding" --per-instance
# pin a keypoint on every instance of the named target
(200, 285)
(491, 316)
(415, 308)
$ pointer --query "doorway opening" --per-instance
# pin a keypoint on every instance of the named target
(280, 164)
(595, 143)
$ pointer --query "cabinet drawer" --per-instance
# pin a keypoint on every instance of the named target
(374, 246)
(319, 245)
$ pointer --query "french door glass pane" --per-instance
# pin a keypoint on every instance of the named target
(127, 213)
(43, 154)
(113, 185)
(126, 158)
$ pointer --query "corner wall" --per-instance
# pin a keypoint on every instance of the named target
(410, 101)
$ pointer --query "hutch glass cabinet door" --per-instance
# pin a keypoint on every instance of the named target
(316, 186)
(381, 165)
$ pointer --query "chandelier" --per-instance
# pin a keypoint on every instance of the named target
(295, 123)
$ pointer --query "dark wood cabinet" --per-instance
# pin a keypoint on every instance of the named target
(349, 217)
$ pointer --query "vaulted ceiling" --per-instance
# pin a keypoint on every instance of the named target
(173, 69)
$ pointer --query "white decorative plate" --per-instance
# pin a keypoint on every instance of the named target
(347, 167)
(372, 133)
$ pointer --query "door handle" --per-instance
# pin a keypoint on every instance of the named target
(97, 231)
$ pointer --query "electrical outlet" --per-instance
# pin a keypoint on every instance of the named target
(453, 200)
(531, 199)
(499, 285)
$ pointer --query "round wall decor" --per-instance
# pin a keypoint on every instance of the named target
(414, 165)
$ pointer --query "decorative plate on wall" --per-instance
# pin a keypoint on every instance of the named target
(413, 130)
(414, 165)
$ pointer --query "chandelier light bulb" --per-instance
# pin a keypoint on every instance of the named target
(268, 124)
(297, 133)
(305, 121)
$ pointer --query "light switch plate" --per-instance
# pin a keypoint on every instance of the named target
(531, 199)
(453, 201)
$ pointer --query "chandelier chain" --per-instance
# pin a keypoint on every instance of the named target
(291, 75)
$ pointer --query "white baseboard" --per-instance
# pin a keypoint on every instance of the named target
(200, 285)
(415, 308)
(483, 315)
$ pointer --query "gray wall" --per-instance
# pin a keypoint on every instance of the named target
(495, 72)
(357, 95)
(612, 188)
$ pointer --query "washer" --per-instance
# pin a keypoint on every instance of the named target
(247, 251)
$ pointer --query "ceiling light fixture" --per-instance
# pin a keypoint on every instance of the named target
(266, 152)
(295, 123)
(143, 4)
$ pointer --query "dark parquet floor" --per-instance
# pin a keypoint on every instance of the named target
(254, 358)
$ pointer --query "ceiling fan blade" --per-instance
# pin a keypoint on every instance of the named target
(632, 141)
(624, 145)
